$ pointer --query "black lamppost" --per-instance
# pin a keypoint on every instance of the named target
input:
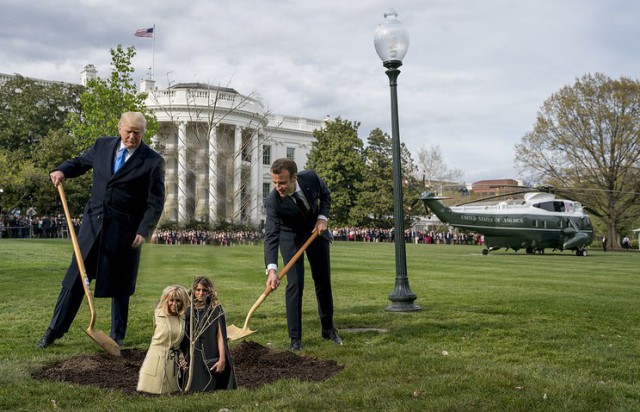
(392, 41)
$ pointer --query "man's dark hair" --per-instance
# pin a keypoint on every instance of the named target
(284, 164)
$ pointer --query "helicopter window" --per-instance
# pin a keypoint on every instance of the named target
(585, 223)
(548, 206)
(551, 206)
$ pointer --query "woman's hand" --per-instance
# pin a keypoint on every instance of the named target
(218, 367)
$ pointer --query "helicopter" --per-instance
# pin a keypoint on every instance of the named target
(539, 221)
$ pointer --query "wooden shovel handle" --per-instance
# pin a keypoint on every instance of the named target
(78, 253)
(283, 272)
(293, 260)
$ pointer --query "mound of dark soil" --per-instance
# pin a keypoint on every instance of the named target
(255, 365)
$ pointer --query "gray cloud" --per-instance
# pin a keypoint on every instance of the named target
(473, 79)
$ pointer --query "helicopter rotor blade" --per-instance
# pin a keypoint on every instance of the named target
(482, 199)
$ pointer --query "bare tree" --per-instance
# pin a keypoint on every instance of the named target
(587, 140)
(434, 168)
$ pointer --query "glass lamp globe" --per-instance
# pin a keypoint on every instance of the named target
(391, 38)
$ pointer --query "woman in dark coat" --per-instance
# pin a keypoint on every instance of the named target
(205, 345)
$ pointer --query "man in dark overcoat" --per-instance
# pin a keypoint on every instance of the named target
(299, 204)
(126, 202)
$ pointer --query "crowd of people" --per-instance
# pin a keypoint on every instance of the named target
(55, 227)
(345, 234)
(362, 234)
(18, 226)
(206, 237)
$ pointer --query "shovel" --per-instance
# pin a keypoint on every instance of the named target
(99, 336)
(234, 332)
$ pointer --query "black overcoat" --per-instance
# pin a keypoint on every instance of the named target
(122, 205)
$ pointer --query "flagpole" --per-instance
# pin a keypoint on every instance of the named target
(153, 54)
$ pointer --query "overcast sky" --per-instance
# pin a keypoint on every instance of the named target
(474, 77)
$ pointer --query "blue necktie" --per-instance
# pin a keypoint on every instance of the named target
(120, 158)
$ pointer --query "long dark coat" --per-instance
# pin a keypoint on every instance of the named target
(206, 351)
(122, 205)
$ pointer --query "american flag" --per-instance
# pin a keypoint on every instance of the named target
(144, 32)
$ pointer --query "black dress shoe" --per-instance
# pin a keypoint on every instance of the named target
(47, 339)
(296, 345)
(332, 334)
(120, 343)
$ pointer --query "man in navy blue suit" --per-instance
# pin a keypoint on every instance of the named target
(126, 202)
(299, 203)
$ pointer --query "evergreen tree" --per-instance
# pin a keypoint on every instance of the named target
(337, 156)
(374, 206)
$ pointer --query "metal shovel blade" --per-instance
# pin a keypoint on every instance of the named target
(105, 341)
(235, 333)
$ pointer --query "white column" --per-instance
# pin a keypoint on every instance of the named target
(170, 179)
(237, 174)
(182, 172)
(202, 183)
(213, 175)
(256, 175)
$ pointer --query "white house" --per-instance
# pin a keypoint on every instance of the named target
(218, 146)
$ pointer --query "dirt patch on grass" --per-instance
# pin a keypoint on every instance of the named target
(255, 365)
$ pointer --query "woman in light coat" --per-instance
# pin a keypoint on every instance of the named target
(161, 366)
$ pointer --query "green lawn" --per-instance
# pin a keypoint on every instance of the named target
(500, 332)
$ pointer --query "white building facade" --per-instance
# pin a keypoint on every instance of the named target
(218, 147)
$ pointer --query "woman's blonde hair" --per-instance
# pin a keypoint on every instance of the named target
(175, 292)
(212, 299)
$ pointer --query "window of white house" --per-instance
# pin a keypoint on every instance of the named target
(266, 155)
(266, 188)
